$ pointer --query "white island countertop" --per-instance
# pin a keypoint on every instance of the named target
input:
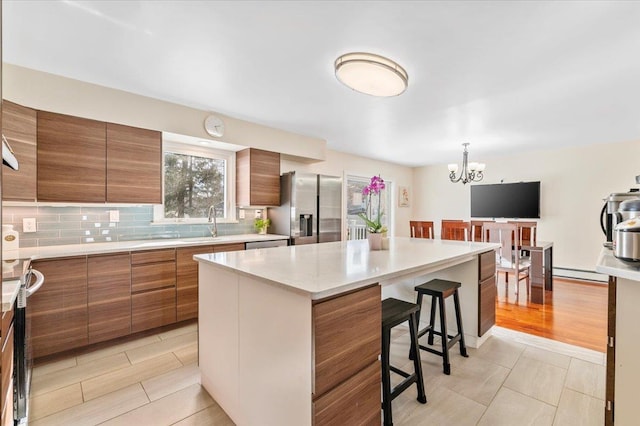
(327, 269)
(608, 264)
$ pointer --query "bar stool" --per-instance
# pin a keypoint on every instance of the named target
(439, 290)
(395, 312)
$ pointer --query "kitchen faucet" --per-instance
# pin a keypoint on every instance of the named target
(212, 218)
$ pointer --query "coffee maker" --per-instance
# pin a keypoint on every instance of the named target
(608, 219)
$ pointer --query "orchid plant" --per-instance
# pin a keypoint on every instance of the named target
(374, 189)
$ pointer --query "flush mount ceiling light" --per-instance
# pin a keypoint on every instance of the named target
(371, 74)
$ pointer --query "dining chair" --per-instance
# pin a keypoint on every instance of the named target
(421, 229)
(455, 230)
(508, 255)
(476, 229)
(527, 232)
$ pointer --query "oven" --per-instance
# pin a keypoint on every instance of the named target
(31, 281)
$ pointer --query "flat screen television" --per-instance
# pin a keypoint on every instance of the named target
(506, 200)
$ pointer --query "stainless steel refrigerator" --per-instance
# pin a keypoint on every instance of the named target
(310, 210)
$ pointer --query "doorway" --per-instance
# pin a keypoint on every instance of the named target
(356, 205)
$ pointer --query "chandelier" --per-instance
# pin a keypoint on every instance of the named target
(471, 172)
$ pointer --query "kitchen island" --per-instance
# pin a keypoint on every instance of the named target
(291, 335)
(623, 342)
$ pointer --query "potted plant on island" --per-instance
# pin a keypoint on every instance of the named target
(376, 231)
(261, 225)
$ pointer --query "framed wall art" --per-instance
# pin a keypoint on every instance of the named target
(403, 196)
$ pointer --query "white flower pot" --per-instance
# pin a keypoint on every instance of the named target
(375, 241)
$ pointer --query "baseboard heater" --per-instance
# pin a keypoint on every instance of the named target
(580, 274)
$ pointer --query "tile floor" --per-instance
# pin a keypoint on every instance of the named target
(513, 379)
(150, 381)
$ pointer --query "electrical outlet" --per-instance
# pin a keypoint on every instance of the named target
(258, 214)
(241, 213)
(114, 215)
(29, 224)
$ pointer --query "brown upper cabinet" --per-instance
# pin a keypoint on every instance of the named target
(71, 158)
(257, 178)
(85, 160)
(134, 165)
(19, 127)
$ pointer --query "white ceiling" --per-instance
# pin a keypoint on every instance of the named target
(504, 76)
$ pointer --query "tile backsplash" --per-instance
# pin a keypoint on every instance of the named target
(85, 225)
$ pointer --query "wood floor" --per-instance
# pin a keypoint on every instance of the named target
(575, 312)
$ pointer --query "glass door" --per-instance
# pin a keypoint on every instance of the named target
(356, 204)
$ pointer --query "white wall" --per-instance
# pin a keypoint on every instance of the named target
(341, 164)
(39, 90)
(574, 182)
(48, 92)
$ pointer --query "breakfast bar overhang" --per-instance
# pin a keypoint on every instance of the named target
(291, 335)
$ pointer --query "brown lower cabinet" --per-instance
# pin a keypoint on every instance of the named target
(58, 310)
(187, 277)
(347, 332)
(153, 309)
(610, 382)
(153, 289)
(6, 394)
(356, 401)
(187, 281)
(91, 299)
(487, 291)
(109, 296)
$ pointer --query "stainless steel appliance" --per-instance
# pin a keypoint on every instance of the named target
(626, 243)
(608, 218)
(265, 244)
(628, 209)
(310, 210)
(31, 281)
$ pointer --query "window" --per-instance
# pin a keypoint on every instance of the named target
(196, 178)
(356, 203)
